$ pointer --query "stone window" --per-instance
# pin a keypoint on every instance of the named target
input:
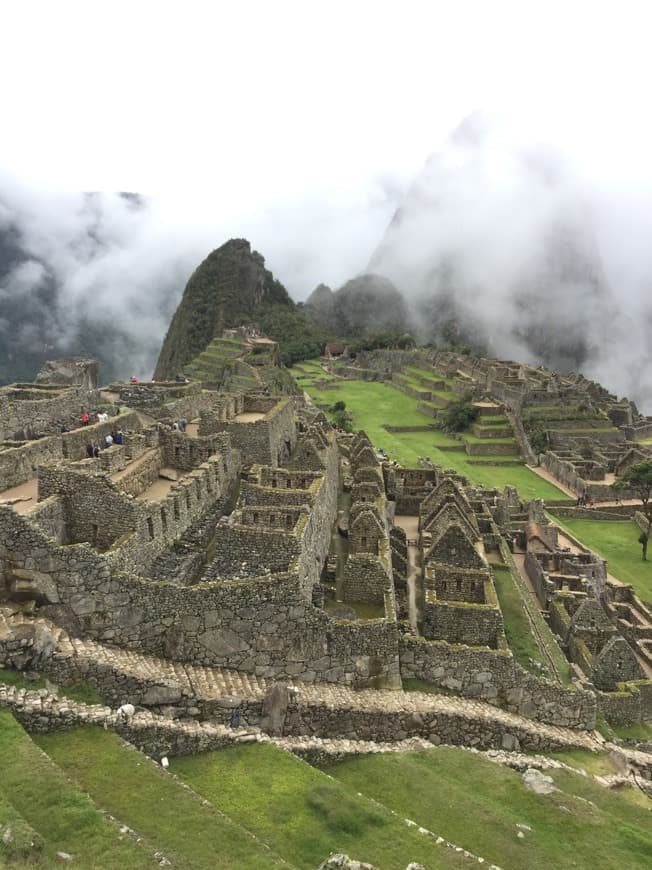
(274, 482)
(272, 519)
(256, 518)
(288, 521)
(164, 520)
(288, 483)
(150, 528)
(176, 509)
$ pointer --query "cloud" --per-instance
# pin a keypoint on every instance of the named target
(102, 273)
(540, 259)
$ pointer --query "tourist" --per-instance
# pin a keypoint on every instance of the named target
(109, 440)
(89, 450)
(133, 379)
(118, 437)
(96, 449)
(85, 419)
(182, 424)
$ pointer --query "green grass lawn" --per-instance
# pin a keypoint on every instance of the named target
(83, 693)
(134, 790)
(517, 628)
(480, 804)
(374, 404)
(58, 810)
(303, 814)
(19, 842)
(617, 542)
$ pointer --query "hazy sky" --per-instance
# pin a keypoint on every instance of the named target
(224, 111)
(301, 125)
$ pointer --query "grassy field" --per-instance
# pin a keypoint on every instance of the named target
(374, 404)
(517, 628)
(83, 693)
(303, 814)
(170, 818)
(58, 810)
(483, 807)
(617, 542)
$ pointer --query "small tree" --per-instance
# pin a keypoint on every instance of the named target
(460, 415)
(638, 477)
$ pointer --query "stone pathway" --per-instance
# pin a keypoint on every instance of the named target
(410, 525)
(322, 706)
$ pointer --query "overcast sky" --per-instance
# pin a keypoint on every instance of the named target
(306, 118)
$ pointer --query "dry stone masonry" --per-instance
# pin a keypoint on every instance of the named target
(195, 572)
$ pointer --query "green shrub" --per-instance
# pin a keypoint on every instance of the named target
(459, 416)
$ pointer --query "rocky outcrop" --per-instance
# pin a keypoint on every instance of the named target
(224, 291)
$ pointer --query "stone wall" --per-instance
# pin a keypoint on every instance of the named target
(29, 411)
(458, 622)
(494, 677)
(151, 396)
(253, 493)
(74, 443)
(267, 441)
(93, 508)
(96, 509)
(244, 547)
(491, 448)
(20, 463)
(365, 578)
(567, 474)
(632, 703)
(262, 625)
(50, 515)
(183, 452)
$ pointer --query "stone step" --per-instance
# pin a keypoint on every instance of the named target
(210, 684)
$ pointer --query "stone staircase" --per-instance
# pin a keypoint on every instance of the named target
(190, 693)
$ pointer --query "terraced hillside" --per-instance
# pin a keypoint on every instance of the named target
(233, 364)
(562, 424)
(487, 808)
(398, 421)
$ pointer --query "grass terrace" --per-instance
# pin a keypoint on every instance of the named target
(168, 817)
(59, 810)
(303, 814)
(617, 542)
(484, 806)
(374, 404)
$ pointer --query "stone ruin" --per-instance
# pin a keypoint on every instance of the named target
(233, 547)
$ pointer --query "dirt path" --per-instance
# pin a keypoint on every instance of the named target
(27, 491)
(410, 525)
